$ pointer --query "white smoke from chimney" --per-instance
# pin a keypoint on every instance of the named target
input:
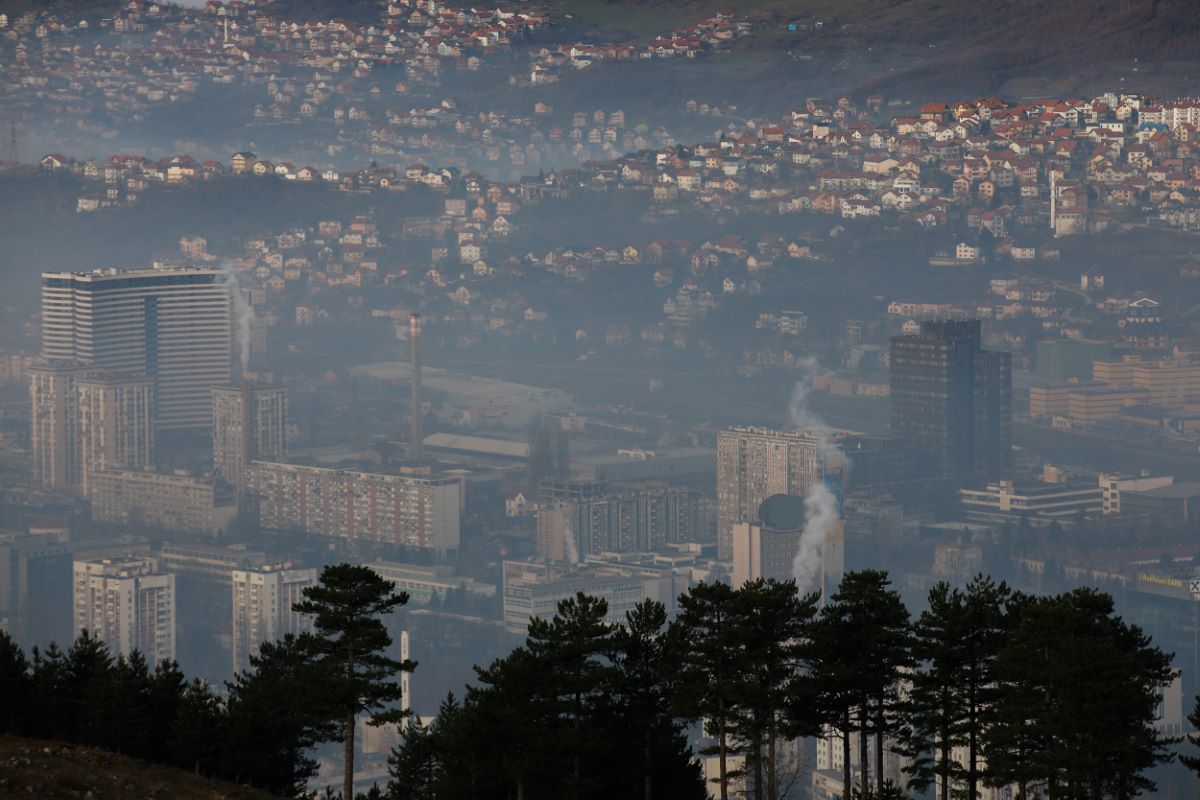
(243, 317)
(570, 550)
(821, 511)
(820, 517)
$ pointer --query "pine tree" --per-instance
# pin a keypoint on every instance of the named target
(774, 626)
(711, 665)
(1190, 761)
(16, 686)
(658, 758)
(198, 730)
(415, 764)
(347, 607)
(956, 642)
(277, 711)
(576, 649)
(1078, 690)
(861, 645)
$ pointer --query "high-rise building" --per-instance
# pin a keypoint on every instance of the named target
(768, 546)
(755, 463)
(417, 510)
(171, 324)
(129, 604)
(953, 397)
(249, 423)
(115, 425)
(54, 430)
(262, 607)
(35, 587)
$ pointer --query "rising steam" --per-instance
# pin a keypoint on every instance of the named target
(243, 317)
(820, 505)
(570, 550)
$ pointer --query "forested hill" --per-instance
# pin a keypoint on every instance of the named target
(33, 768)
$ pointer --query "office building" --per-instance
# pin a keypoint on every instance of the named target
(950, 395)
(623, 522)
(412, 509)
(115, 424)
(54, 424)
(1036, 503)
(129, 604)
(166, 501)
(249, 423)
(171, 324)
(262, 607)
(35, 587)
(755, 463)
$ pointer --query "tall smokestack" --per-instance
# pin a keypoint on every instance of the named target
(414, 336)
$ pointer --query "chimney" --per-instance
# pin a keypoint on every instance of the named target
(414, 336)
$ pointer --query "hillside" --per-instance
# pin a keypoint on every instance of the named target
(928, 47)
(30, 768)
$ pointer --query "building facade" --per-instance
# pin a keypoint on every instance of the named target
(755, 463)
(171, 324)
(249, 423)
(262, 607)
(624, 522)
(413, 510)
(129, 604)
(169, 502)
(115, 424)
(54, 424)
(950, 395)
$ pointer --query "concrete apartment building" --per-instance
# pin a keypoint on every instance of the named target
(171, 502)
(623, 522)
(115, 425)
(249, 424)
(54, 424)
(129, 604)
(172, 324)
(755, 463)
(262, 607)
(416, 510)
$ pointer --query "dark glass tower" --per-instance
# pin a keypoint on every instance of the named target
(954, 398)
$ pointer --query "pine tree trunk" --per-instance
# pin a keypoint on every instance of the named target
(348, 778)
(864, 765)
(756, 753)
(846, 752)
(879, 747)
(647, 767)
(944, 767)
(772, 776)
(972, 744)
(721, 747)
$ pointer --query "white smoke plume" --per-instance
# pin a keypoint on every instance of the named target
(820, 505)
(243, 317)
(569, 547)
(820, 517)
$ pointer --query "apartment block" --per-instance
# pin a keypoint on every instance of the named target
(413, 510)
(262, 607)
(755, 463)
(249, 423)
(129, 604)
(166, 501)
